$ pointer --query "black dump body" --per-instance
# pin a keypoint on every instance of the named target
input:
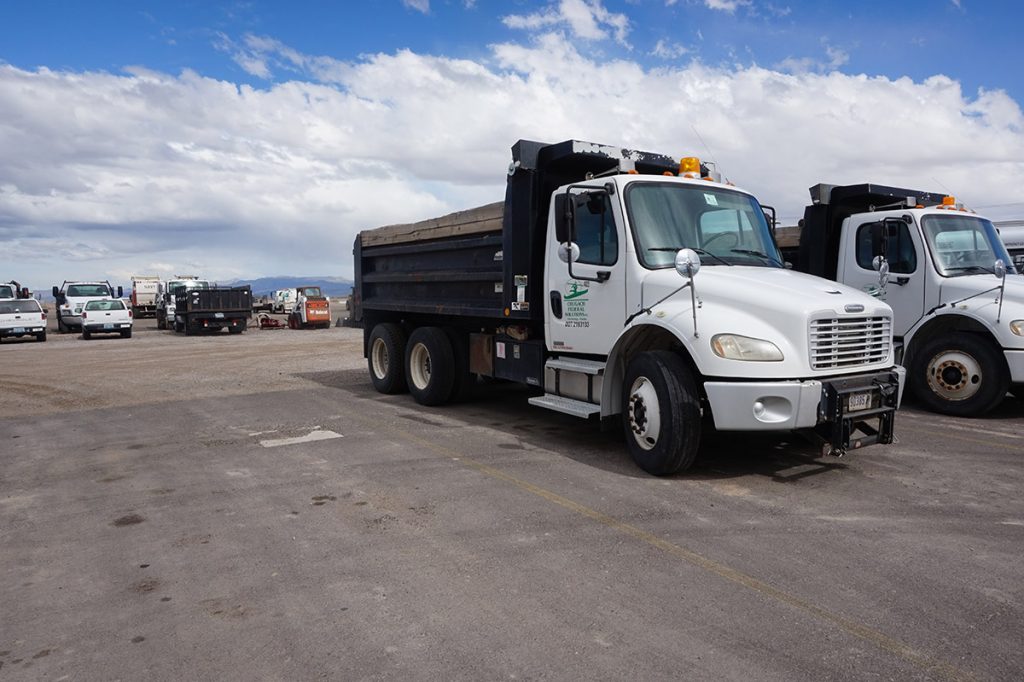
(485, 264)
(818, 252)
(213, 308)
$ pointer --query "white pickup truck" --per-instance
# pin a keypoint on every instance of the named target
(71, 296)
(106, 316)
(22, 317)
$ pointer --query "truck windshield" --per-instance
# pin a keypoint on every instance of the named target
(310, 291)
(112, 304)
(725, 227)
(88, 290)
(964, 245)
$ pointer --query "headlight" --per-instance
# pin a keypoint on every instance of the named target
(735, 347)
(1017, 327)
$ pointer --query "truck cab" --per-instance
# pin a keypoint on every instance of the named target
(165, 299)
(1012, 234)
(70, 298)
(958, 304)
(631, 287)
(13, 290)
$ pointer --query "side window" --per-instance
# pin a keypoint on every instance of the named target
(900, 250)
(595, 233)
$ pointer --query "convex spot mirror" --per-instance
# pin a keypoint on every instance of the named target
(881, 266)
(567, 249)
(687, 262)
(999, 268)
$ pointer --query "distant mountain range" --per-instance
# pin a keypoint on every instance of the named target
(264, 286)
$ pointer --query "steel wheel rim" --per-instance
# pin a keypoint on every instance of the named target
(419, 366)
(380, 358)
(644, 413)
(954, 375)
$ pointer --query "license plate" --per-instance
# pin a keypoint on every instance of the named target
(108, 326)
(218, 315)
(859, 401)
(19, 330)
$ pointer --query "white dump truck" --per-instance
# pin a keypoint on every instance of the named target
(1012, 234)
(958, 304)
(165, 300)
(145, 291)
(631, 287)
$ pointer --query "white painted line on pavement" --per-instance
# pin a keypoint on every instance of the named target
(309, 438)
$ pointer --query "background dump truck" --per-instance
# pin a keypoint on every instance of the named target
(284, 300)
(311, 310)
(629, 286)
(959, 319)
(145, 291)
(211, 309)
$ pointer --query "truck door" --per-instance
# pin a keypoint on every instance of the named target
(586, 298)
(901, 245)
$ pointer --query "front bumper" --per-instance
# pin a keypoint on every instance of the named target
(823, 406)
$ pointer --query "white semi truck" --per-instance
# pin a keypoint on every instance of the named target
(628, 286)
(958, 304)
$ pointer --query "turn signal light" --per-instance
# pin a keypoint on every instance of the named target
(949, 201)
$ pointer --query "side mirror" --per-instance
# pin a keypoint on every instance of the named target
(687, 263)
(881, 266)
(56, 292)
(120, 292)
(999, 268)
(568, 251)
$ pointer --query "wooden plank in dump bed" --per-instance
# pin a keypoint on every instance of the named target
(459, 224)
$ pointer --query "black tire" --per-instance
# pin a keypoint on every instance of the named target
(41, 337)
(670, 444)
(1017, 391)
(464, 379)
(61, 327)
(429, 366)
(959, 374)
(236, 329)
(161, 323)
(86, 334)
(126, 334)
(385, 358)
(188, 327)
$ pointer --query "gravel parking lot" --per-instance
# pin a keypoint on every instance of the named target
(247, 507)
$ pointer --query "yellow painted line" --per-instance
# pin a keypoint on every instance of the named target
(865, 632)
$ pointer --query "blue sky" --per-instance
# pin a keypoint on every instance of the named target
(127, 126)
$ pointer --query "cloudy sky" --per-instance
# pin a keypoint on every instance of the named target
(245, 139)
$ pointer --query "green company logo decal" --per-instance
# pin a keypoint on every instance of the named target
(576, 304)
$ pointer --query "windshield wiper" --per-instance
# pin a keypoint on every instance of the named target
(701, 252)
(970, 268)
(758, 254)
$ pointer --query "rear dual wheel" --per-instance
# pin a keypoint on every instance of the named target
(386, 358)
(430, 366)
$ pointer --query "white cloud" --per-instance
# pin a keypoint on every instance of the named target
(105, 174)
(586, 19)
(665, 49)
(418, 5)
(729, 6)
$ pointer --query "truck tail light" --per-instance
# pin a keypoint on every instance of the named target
(44, 315)
(130, 314)
(84, 315)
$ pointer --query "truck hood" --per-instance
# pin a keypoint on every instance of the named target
(771, 304)
(985, 306)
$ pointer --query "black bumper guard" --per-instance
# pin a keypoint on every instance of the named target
(837, 424)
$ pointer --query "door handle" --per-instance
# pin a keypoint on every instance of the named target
(556, 303)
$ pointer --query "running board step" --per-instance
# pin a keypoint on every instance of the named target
(576, 365)
(576, 408)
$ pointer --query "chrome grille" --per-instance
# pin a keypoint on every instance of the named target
(841, 342)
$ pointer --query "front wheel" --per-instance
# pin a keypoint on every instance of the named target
(61, 327)
(661, 413)
(430, 366)
(959, 374)
(386, 358)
